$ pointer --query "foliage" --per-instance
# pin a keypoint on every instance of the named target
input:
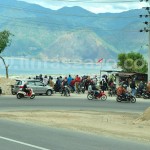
(132, 62)
(4, 40)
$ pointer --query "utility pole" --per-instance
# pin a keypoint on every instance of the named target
(147, 29)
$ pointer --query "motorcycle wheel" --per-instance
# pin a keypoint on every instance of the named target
(83, 91)
(145, 96)
(89, 97)
(65, 93)
(78, 91)
(49, 92)
(60, 91)
(71, 89)
(118, 99)
(32, 96)
(133, 100)
(104, 97)
(19, 96)
(110, 93)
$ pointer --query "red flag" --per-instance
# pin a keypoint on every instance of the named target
(100, 60)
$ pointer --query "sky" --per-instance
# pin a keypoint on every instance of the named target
(95, 6)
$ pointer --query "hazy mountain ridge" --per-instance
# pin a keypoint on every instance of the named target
(72, 33)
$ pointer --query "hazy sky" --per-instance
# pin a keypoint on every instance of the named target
(95, 6)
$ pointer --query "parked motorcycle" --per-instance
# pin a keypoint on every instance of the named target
(81, 89)
(93, 95)
(111, 92)
(140, 93)
(71, 89)
(22, 94)
(65, 91)
(57, 88)
(146, 95)
(126, 98)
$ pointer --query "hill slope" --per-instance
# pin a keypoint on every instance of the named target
(71, 33)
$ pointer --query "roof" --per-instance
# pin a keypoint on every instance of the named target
(27, 80)
(125, 74)
(109, 71)
(128, 74)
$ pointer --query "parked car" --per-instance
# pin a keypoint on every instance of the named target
(37, 86)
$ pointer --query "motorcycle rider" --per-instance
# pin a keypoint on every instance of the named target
(65, 86)
(25, 88)
(92, 87)
(121, 90)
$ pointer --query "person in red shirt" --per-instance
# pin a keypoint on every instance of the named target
(121, 90)
(77, 81)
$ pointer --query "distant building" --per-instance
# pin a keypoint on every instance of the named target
(122, 76)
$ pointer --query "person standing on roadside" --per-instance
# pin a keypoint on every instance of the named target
(77, 81)
(148, 87)
(45, 80)
(51, 83)
(133, 87)
(41, 77)
(69, 79)
(103, 85)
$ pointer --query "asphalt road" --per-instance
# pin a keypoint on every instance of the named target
(19, 136)
(75, 102)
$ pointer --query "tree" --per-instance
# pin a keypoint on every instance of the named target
(132, 62)
(5, 41)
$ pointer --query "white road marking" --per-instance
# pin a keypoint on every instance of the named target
(22, 143)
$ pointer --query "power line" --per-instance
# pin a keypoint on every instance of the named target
(93, 2)
(50, 23)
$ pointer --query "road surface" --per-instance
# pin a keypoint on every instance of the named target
(20, 136)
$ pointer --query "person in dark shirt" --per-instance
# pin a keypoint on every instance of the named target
(25, 88)
(94, 88)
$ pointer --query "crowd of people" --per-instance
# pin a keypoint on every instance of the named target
(107, 83)
(77, 82)
(136, 88)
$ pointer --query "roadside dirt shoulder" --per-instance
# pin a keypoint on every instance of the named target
(126, 125)
(5, 84)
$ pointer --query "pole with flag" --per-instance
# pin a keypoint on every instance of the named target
(100, 61)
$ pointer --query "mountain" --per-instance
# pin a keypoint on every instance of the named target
(70, 33)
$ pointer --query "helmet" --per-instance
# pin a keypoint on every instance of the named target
(124, 85)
